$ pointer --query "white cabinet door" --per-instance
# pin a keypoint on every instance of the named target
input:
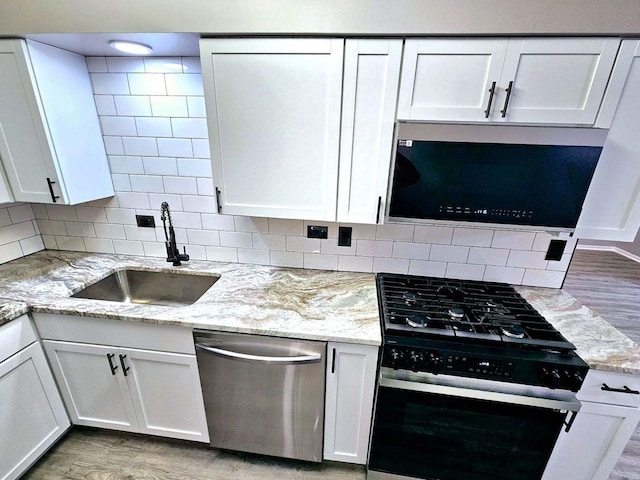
(166, 393)
(611, 210)
(273, 109)
(370, 86)
(50, 139)
(351, 378)
(555, 80)
(95, 394)
(590, 450)
(32, 416)
(450, 79)
(5, 192)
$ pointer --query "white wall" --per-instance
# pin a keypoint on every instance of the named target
(154, 127)
(339, 17)
(19, 235)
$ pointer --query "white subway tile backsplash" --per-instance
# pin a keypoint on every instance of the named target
(562, 265)
(10, 251)
(205, 187)
(133, 200)
(134, 106)
(140, 146)
(61, 212)
(187, 220)
(391, 265)
(236, 239)
(125, 164)
(433, 234)
(196, 252)
(123, 216)
(249, 224)
(191, 65)
(169, 107)
(113, 145)
(133, 232)
(330, 246)
(257, 257)
(184, 84)
(318, 261)
(203, 237)
(144, 183)
(541, 242)
(99, 245)
(70, 243)
(201, 148)
(90, 214)
(196, 203)
(189, 127)
(158, 249)
(543, 278)
(472, 237)
(465, 271)
(160, 166)
(128, 247)
(513, 240)
(409, 250)
(526, 259)
(110, 83)
(162, 64)
(109, 231)
(51, 227)
(286, 227)
(125, 64)
(147, 84)
(20, 213)
(80, 229)
(218, 222)
(180, 185)
(121, 182)
(39, 211)
(394, 232)
(287, 259)
(265, 241)
(96, 64)
(222, 254)
(194, 167)
(174, 201)
(31, 245)
(303, 244)
(175, 147)
(503, 274)
(153, 127)
(105, 104)
(196, 107)
(427, 268)
(355, 264)
(488, 256)
(374, 248)
(5, 218)
(361, 231)
(449, 253)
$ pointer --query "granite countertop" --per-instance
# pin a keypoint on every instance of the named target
(307, 304)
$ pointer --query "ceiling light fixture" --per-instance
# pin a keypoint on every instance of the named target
(130, 47)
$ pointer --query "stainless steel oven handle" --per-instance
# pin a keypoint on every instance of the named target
(301, 359)
(569, 404)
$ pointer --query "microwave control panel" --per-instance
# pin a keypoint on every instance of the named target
(490, 213)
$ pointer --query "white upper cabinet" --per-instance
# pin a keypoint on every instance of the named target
(5, 192)
(50, 143)
(273, 108)
(537, 81)
(371, 76)
(611, 210)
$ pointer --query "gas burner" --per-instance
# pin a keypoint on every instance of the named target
(418, 322)
(410, 298)
(513, 331)
(453, 293)
(494, 307)
(456, 313)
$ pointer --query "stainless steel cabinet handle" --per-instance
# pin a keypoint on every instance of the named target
(506, 100)
(624, 389)
(260, 358)
(125, 369)
(492, 92)
(111, 365)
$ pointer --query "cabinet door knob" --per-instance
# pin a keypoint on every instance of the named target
(111, 365)
(125, 369)
(492, 92)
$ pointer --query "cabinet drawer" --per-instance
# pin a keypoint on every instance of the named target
(15, 335)
(69, 328)
(592, 388)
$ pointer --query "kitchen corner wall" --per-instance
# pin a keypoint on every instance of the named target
(19, 235)
(153, 121)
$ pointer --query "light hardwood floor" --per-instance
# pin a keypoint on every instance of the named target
(605, 282)
(609, 284)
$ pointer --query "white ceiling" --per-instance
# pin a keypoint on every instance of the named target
(97, 44)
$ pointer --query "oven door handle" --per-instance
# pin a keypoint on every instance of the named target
(571, 404)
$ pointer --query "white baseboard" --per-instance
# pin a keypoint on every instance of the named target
(607, 248)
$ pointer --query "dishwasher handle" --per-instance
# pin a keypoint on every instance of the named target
(302, 359)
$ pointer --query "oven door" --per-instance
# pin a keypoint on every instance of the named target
(451, 428)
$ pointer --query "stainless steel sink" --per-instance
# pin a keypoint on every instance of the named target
(148, 287)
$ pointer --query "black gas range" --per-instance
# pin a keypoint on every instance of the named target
(473, 329)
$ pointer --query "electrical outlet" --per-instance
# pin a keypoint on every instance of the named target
(556, 249)
(146, 221)
(344, 236)
(315, 231)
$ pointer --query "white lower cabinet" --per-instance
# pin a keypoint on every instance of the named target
(129, 389)
(351, 377)
(32, 416)
(601, 430)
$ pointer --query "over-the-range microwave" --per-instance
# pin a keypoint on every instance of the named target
(523, 176)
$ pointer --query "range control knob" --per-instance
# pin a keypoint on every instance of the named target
(434, 362)
(574, 381)
(395, 358)
(416, 360)
(551, 377)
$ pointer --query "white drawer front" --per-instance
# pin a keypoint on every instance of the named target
(592, 389)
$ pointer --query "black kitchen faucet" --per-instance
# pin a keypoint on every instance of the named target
(173, 254)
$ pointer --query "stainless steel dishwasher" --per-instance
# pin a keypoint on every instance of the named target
(263, 394)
